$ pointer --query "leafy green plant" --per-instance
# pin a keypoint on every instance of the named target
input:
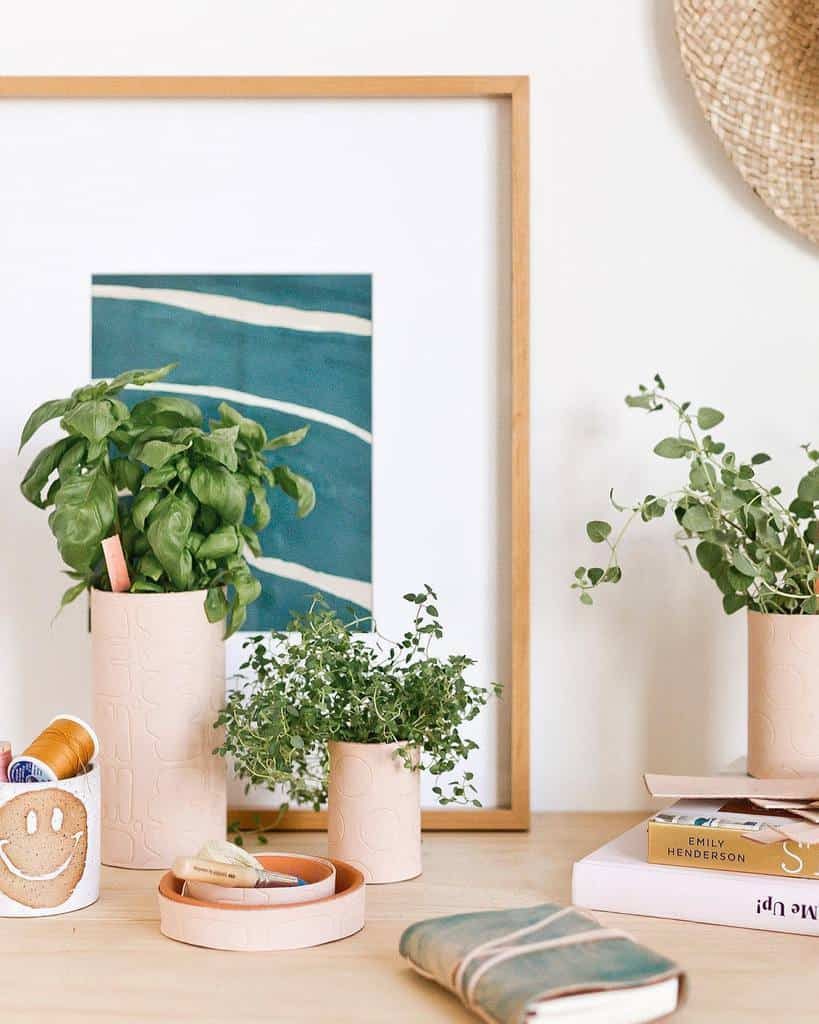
(320, 682)
(759, 550)
(175, 492)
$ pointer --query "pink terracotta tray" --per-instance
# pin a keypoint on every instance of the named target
(319, 874)
(251, 928)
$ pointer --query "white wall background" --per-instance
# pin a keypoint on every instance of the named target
(648, 252)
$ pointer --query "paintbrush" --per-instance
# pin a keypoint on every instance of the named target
(197, 869)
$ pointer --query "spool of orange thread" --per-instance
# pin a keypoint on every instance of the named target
(63, 749)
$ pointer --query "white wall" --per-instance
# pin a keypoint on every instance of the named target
(648, 251)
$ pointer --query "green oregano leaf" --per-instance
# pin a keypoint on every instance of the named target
(598, 530)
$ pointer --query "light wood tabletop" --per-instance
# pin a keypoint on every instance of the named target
(110, 962)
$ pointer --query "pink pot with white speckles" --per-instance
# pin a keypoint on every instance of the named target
(374, 811)
(783, 695)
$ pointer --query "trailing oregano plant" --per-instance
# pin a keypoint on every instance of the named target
(176, 492)
(320, 681)
(759, 548)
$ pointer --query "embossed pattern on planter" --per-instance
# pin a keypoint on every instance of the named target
(159, 682)
(783, 695)
(374, 811)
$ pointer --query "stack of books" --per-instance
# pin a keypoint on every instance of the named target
(725, 860)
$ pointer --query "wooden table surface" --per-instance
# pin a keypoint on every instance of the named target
(110, 963)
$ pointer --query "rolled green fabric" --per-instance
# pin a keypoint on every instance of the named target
(502, 963)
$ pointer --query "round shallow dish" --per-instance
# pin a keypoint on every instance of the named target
(253, 928)
(319, 874)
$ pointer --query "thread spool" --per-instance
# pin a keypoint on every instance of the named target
(63, 749)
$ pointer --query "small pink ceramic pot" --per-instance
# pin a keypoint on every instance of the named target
(783, 695)
(249, 928)
(374, 811)
(319, 874)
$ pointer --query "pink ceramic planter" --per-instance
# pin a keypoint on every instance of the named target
(258, 928)
(374, 811)
(159, 682)
(783, 695)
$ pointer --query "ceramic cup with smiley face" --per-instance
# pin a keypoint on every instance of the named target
(49, 845)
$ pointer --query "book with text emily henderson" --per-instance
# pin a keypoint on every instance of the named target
(618, 878)
(718, 835)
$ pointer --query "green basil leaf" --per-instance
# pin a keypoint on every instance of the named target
(42, 414)
(166, 411)
(217, 488)
(160, 476)
(219, 445)
(261, 508)
(252, 540)
(73, 593)
(73, 458)
(247, 588)
(216, 604)
(252, 433)
(297, 487)
(92, 420)
(149, 565)
(44, 464)
(156, 453)
(127, 475)
(287, 440)
(221, 543)
(237, 618)
(84, 514)
(230, 417)
(142, 585)
(144, 503)
(138, 377)
(167, 533)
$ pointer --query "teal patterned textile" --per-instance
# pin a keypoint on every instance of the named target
(500, 962)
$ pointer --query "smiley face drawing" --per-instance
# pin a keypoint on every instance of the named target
(43, 844)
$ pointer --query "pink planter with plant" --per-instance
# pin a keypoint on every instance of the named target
(374, 811)
(149, 502)
(761, 550)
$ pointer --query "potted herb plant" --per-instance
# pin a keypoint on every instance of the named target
(176, 493)
(761, 551)
(352, 719)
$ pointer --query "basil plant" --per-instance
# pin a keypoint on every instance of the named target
(184, 499)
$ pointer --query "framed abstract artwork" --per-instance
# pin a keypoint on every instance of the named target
(345, 254)
(248, 340)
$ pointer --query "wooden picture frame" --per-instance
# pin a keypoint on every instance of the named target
(515, 91)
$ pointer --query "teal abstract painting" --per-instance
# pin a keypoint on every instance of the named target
(287, 351)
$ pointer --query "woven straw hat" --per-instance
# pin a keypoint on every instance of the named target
(754, 65)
